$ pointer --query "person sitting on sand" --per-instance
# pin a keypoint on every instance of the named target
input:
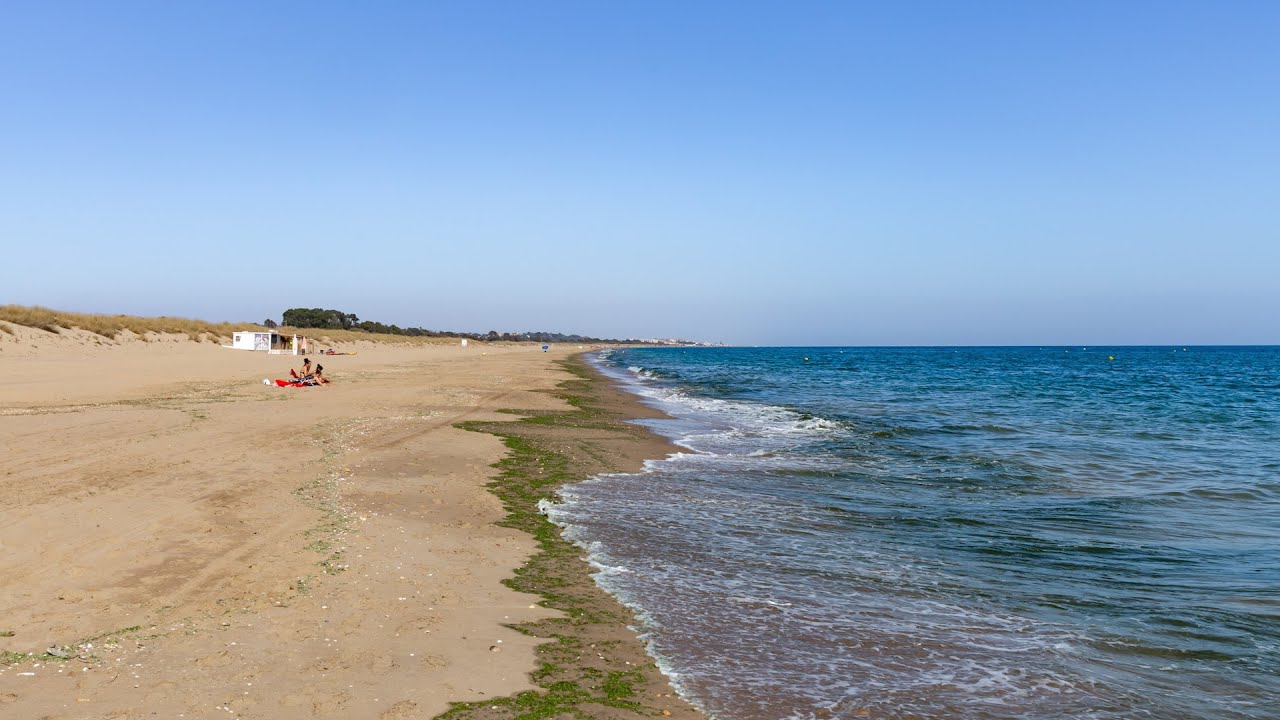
(305, 371)
(319, 377)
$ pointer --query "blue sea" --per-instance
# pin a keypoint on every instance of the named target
(952, 532)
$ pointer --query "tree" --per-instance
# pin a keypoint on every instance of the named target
(269, 323)
(318, 318)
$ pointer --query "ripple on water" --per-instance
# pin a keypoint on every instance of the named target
(959, 533)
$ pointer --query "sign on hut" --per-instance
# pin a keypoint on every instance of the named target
(273, 343)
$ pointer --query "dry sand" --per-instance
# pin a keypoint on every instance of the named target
(202, 545)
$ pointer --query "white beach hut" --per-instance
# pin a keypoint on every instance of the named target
(273, 343)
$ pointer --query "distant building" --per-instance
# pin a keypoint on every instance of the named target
(273, 343)
(676, 342)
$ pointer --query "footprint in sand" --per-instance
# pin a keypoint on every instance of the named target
(382, 663)
(400, 711)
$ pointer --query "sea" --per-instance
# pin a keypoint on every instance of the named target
(961, 533)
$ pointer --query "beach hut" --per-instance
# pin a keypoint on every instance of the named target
(273, 343)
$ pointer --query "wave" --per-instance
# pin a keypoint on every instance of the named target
(968, 541)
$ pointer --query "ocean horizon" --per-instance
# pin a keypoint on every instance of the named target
(951, 531)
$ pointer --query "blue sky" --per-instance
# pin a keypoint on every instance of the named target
(752, 173)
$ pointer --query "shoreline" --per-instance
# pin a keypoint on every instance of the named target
(197, 544)
(597, 664)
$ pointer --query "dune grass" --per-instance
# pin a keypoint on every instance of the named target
(323, 336)
(111, 326)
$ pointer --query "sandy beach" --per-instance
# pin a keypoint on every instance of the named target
(199, 544)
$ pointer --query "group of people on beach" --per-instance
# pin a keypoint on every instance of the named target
(309, 375)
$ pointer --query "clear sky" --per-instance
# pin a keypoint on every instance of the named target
(753, 173)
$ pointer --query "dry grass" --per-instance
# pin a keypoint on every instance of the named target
(110, 326)
(348, 336)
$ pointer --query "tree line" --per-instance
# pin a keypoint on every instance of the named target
(338, 320)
